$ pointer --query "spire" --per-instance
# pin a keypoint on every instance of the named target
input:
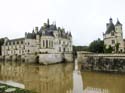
(33, 30)
(110, 20)
(48, 21)
(118, 22)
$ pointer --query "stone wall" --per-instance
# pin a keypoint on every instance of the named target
(68, 57)
(81, 56)
(31, 58)
(103, 62)
(50, 58)
(55, 58)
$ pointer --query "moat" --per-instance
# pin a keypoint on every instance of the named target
(61, 78)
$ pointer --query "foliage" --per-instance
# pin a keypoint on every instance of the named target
(97, 46)
(1, 43)
(18, 90)
(80, 48)
(109, 49)
(117, 47)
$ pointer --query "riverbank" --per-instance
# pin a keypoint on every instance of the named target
(104, 64)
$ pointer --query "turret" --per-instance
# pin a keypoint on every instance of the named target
(5, 39)
(118, 26)
(25, 34)
(48, 22)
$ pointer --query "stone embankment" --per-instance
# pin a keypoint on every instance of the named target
(105, 64)
(102, 62)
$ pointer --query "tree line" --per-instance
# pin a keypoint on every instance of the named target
(97, 46)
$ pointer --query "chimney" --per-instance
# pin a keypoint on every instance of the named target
(36, 29)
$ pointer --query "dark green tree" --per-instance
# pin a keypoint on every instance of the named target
(109, 49)
(1, 43)
(80, 48)
(97, 46)
(117, 47)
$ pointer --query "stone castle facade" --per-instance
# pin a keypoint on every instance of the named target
(48, 39)
(114, 36)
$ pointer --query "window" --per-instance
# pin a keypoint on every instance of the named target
(113, 41)
(21, 42)
(64, 49)
(112, 34)
(46, 43)
(59, 41)
(17, 42)
(43, 43)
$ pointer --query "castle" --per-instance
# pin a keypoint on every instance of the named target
(49, 39)
(113, 37)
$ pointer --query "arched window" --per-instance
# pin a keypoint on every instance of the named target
(46, 43)
(43, 43)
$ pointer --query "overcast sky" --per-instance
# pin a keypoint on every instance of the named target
(86, 19)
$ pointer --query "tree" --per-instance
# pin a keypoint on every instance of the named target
(109, 49)
(97, 46)
(80, 48)
(1, 43)
(117, 47)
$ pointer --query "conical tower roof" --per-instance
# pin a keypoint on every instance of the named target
(111, 27)
(118, 23)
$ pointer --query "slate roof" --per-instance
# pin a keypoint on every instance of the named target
(13, 40)
(118, 23)
(110, 26)
(31, 35)
(17, 39)
(48, 30)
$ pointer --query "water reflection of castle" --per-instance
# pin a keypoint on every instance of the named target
(42, 79)
(59, 78)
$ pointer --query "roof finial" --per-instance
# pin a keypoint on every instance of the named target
(110, 20)
(33, 30)
(117, 19)
(48, 21)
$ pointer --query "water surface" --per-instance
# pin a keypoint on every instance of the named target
(61, 78)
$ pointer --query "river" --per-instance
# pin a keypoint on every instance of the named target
(61, 78)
